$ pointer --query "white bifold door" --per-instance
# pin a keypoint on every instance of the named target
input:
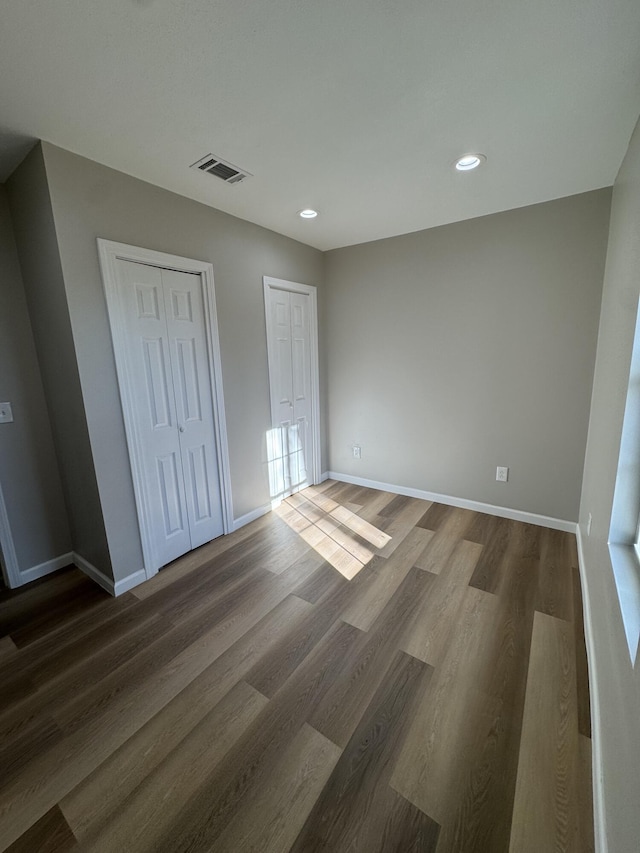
(292, 355)
(167, 361)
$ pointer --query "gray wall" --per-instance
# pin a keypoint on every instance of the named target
(457, 349)
(44, 287)
(619, 682)
(90, 201)
(28, 467)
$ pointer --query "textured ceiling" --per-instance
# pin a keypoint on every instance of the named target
(357, 109)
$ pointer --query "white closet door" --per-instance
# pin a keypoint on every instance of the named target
(168, 364)
(300, 444)
(194, 404)
(281, 384)
(149, 365)
(288, 343)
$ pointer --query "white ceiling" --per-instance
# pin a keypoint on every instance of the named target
(355, 108)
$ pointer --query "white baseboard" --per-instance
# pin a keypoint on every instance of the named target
(249, 517)
(125, 584)
(46, 568)
(113, 588)
(324, 477)
(599, 817)
(95, 574)
(463, 503)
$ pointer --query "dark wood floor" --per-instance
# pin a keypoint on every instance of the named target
(357, 671)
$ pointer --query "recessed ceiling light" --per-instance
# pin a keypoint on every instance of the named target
(308, 213)
(469, 162)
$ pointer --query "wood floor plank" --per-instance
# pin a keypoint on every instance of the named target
(357, 810)
(451, 530)
(389, 574)
(496, 531)
(396, 506)
(585, 775)
(430, 635)
(375, 537)
(324, 580)
(432, 766)
(546, 814)
(269, 675)
(76, 595)
(273, 815)
(18, 751)
(343, 705)
(7, 648)
(102, 793)
(398, 526)
(555, 588)
(436, 515)
(32, 600)
(325, 545)
(248, 763)
(374, 504)
(50, 834)
(582, 666)
(332, 527)
(148, 813)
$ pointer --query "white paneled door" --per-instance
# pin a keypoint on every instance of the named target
(167, 361)
(292, 350)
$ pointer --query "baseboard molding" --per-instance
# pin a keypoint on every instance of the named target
(324, 477)
(113, 588)
(125, 584)
(599, 816)
(249, 517)
(46, 568)
(95, 574)
(463, 503)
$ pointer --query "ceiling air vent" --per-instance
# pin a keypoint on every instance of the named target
(221, 169)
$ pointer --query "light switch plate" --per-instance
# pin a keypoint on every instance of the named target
(6, 415)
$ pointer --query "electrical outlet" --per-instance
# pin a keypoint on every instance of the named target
(502, 474)
(6, 415)
(357, 451)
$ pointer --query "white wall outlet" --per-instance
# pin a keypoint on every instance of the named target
(589, 525)
(6, 415)
(502, 474)
(357, 451)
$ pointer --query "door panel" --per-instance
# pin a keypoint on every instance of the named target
(168, 484)
(188, 379)
(194, 404)
(200, 483)
(302, 403)
(155, 374)
(148, 359)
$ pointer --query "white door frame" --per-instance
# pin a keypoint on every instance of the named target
(8, 556)
(109, 253)
(310, 290)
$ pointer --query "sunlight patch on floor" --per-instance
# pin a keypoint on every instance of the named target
(342, 538)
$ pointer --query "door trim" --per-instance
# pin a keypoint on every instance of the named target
(109, 253)
(310, 290)
(8, 557)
